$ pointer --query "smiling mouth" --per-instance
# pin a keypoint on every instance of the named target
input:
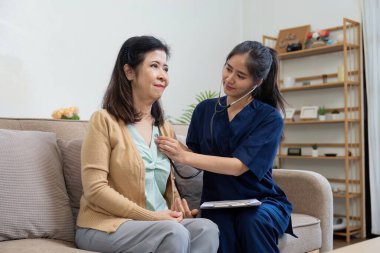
(228, 87)
(161, 86)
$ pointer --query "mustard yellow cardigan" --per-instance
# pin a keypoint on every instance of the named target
(113, 176)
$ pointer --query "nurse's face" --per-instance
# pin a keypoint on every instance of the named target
(237, 81)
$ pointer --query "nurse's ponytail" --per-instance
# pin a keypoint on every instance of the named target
(269, 91)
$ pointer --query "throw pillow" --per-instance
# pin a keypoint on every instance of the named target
(33, 197)
(71, 157)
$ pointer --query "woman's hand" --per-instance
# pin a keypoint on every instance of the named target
(169, 215)
(172, 148)
(181, 205)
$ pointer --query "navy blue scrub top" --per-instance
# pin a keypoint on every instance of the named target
(253, 137)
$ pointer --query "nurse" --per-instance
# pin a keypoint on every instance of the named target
(234, 139)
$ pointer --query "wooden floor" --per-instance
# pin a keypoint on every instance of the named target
(340, 242)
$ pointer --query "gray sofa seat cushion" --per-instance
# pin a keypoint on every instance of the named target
(39, 246)
(308, 230)
(33, 196)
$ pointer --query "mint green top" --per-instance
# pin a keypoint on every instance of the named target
(157, 170)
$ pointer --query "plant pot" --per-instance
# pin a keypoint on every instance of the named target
(314, 153)
(322, 117)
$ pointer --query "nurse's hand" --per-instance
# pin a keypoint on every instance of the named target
(172, 148)
(181, 205)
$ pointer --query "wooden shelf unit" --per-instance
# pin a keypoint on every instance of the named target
(352, 120)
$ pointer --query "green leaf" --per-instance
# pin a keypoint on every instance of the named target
(185, 118)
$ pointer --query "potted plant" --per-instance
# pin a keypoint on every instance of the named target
(185, 118)
(314, 151)
(71, 113)
(322, 113)
(335, 114)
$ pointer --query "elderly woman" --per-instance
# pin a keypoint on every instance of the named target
(129, 202)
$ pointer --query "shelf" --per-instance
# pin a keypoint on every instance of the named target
(305, 122)
(351, 195)
(331, 109)
(328, 145)
(343, 181)
(319, 86)
(321, 76)
(318, 157)
(352, 229)
(316, 51)
(344, 216)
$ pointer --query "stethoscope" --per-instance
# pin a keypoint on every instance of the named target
(175, 167)
(223, 108)
(216, 110)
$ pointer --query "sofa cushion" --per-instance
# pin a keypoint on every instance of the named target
(308, 230)
(34, 200)
(190, 189)
(71, 155)
(39, 246)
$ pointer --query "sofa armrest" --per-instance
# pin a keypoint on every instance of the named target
(310, 193)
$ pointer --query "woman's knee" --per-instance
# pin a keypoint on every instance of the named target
(206, 227)
(175, 233)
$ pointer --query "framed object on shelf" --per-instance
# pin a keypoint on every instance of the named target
(294, 151)
(309, 112)
(289, 113)
(291, 36)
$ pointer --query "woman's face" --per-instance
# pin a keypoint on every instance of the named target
(237, 80)
(151, 77)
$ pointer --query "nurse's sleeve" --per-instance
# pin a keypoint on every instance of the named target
(192, 139)
(258, 151)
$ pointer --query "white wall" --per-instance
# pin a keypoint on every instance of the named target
(269, 16)
(56, 53)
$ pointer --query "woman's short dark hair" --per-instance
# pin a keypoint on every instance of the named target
(118, 99)
(262, 64)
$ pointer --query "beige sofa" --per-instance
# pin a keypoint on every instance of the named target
(309, 192)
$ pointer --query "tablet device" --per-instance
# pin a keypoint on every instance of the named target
(230, 203)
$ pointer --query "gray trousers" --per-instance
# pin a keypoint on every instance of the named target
(191, 235)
